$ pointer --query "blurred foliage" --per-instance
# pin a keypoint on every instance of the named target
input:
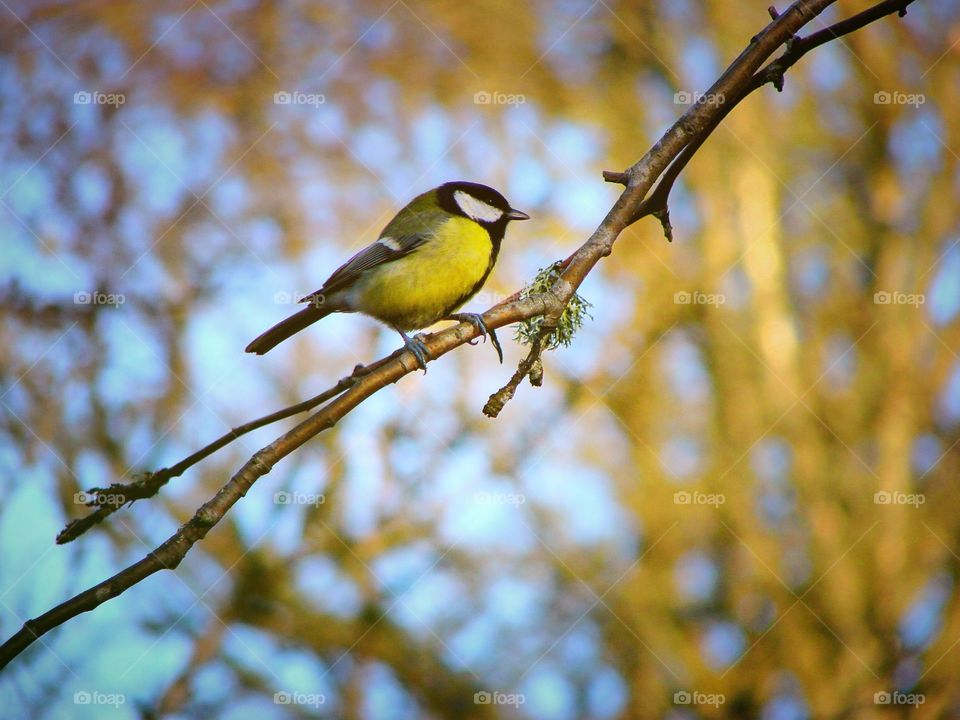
(739, 479)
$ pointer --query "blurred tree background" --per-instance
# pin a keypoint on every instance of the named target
(735, 494)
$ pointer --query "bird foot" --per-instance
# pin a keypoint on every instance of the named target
(417, 349)
(476, 320)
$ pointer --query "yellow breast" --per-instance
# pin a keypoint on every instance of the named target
(432, 281)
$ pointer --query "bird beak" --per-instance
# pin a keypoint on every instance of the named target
(517, 215)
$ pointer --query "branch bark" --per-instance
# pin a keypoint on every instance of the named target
(672, 150)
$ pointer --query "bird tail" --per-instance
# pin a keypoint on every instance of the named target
(284, 329)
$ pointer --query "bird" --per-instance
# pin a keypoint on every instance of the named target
(433, 256)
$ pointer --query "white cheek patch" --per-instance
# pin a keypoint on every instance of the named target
(477, 209)
(390, 243)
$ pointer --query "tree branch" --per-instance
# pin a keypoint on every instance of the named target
(656, 203)
(110, 499)
(737, 81)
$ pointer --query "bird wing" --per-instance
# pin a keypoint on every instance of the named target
(386, 249)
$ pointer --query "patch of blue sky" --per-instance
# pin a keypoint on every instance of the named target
(827, 69)
(515, 601)
(949, 406)
(681, 456)
(547, 693)
(683, 365)
(489, 518)
(786, 707)
(809, 270)
(48, 272)
(253, 649)
(91, 187)
(916, 143)
(722, 643)
(385, 698)
(771, 459)
(696, 576)
(327, 588)
(154, 157)
(28, 191)
(923, 618)
(419, 611)
(140, 665)
(584, 499)
(134, 368)
(927, 453)
(323, 125)
(839, 362)
(943, 296)
(33, 578)
(607, 693)
(214, 683)
(699, 64)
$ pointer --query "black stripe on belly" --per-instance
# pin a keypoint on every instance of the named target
(495, 239)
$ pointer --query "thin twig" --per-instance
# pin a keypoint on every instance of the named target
(148, 484)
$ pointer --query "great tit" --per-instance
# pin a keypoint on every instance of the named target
(429, 260)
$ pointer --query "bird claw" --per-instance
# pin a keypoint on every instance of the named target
(476, 320)
(417, 349)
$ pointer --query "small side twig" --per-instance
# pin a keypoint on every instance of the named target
(531, 366)
(107, 500)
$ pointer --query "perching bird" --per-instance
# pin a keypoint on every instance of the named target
(429, 260)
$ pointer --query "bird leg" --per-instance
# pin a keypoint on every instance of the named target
(417, 349)
(476, 320)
